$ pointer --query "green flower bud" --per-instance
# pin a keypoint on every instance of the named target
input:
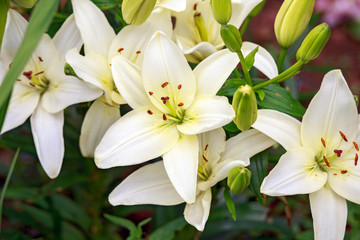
(238, 179)
(137, 11)
(25, 3)
(257, 9)
(314, 43)
(231, 37)
(291, 20)
(221, 10)
(245, 106)
(200, 26)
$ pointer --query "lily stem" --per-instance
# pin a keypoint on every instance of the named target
(293, 70)
(244, 67)
(281, 59)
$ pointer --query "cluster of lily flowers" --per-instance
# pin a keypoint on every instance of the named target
(176, 114)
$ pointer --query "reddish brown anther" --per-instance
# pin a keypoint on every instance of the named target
(206, 147)
(343, 171)
(179, 86)
(138, 52)
(326, 161)
(204, 158)
(149, 112)
(181, 104)
(323, 142)
(356, 159)
(356, 146)
(40, 59)
(120, 50)
(151, 93)
(38, 73)
(195, 6)
(164, 84)
(28, 74)
(164, 117)
(343, 136)
(31, 84)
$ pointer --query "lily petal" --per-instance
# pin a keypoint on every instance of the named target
(132, 40)
(135, 138)
(241, 10)
(212, 144)
(164, 63)
(212, 72)
(197, 213)
(147, 185)
(332, 109)
(295, 173)
(181, 164)
(91, 131)
(47, 130)
(280, 127)
(245, 145)
(264, 62)
(67, 37)
(207, 113)
(329, 214)
(95, 30)
(22, 104)
(173, 5)
(197, 53)
(127, 78)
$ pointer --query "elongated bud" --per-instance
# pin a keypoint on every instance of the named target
(25, 3)
(245, 106)
(291, 20)
(137, 11)
(314, 43)
(231, 37)
(257, 9)
(221, 10)
(200, 26)
(238, 179)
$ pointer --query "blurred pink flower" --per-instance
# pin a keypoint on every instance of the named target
(336, 11)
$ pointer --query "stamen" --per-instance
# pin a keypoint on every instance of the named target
(38, 73)
(195, 6)
(323, 142)
(138, 52)
(164, 84)
(28, 74)
(151, 93)
(10, 65)
(356, 159)
(181, 104)
(31, 84)
(19, 80)
(338, 152)
(343, 136)
(343, 171)
(206, 147)
(40, 59)
(149, 112)
(356, 146)
(204, 158)
(164, 117)
(179, 86)
(164, 99)
(326, 161)
(120, 50)
(335, 174)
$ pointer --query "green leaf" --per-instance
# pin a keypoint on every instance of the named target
(168, 230)
(231, 127)
(230, 204)
(250, 58)
(4, 6)
(40, 19)
(258, 167)
(261, 94)
(230, 86)
(280, 99)
(107, 4)
(135, 232)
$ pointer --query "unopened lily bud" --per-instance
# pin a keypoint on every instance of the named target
(291, 20)
(200, 26)
(137, 11)
(314, 43)
(25, 3)
(245, 106)
(221, 10)
(257, 9)
(238, 179)
(231, 37)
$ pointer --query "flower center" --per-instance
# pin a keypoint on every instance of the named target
(172, 109)
(333, 159)
(35, 79)
(204, 170)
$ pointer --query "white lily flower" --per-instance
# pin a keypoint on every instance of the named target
(101, 45)
(43, 90)
(173, 5)
(151, 185)
(196, 46)
(322, 155)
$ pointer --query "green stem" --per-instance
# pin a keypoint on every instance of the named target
(244, 67)
(281, 59)
(244, 26)
(7, 183)
(283, 76)
(3, 110)
(4, 6)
